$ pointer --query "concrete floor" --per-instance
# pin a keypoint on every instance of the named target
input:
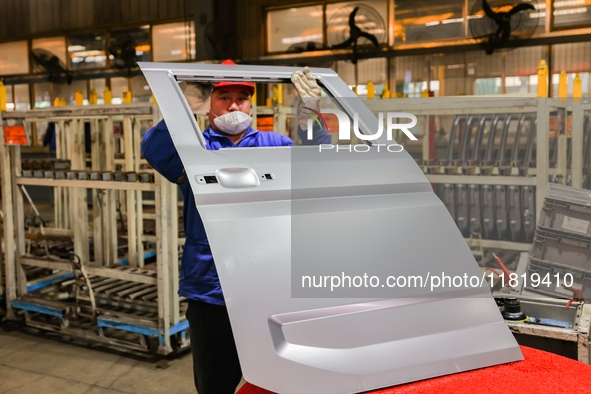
(37, 362)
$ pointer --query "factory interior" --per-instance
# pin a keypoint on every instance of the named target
(97, 242)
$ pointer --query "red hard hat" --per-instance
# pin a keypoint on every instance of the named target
(248, 85)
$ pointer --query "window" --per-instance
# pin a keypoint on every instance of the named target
(129, 46)
(371, 17)
(427, 21)
(14, 58)
(44, 50)
(299, 29)
(537, 19)
(487, 86)
(518, 85)
(173, 42)
(287, 29)
(571, 13)
(86, 51)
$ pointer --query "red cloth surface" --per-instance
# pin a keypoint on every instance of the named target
(539, 372)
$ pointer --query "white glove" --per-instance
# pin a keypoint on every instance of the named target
(309, 92)
(305, 83)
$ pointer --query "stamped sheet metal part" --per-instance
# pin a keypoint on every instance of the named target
(293, 341)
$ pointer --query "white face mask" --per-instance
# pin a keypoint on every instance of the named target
(233, 122)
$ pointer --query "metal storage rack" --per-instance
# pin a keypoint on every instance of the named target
(460, 168)
(562, 244)
(92, 295)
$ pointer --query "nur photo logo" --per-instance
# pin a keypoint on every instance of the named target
(344, 125)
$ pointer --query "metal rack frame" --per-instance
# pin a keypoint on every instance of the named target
(538, 176)
(167, 324)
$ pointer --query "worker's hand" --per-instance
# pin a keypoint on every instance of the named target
(309, 92)
(305, 83)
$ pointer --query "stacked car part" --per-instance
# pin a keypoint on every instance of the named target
(561, 251)
(500, 212)
(490, 159)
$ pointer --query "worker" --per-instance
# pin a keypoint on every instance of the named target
(215, 360)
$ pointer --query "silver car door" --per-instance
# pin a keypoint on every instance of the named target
(330, 213)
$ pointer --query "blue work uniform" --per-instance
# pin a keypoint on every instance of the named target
(198, 277)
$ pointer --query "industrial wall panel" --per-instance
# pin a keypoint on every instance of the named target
(22, 9)
(21, 19)
(346, 71)
(457, 86)
(143, 9)
(174, 10)
(151, 9)
(45, 13)
(572, 57)
(34, 16)
(162, 8)
(56, 13)
(3, 25)
(74, 14)
(126, 9)
(252, 39)
(15, 18)
(131, 12)
(524, 61)
(115, 14)
(65, 12)
(416, 65)
(374, 70)
(81, 18)
(484, 66)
